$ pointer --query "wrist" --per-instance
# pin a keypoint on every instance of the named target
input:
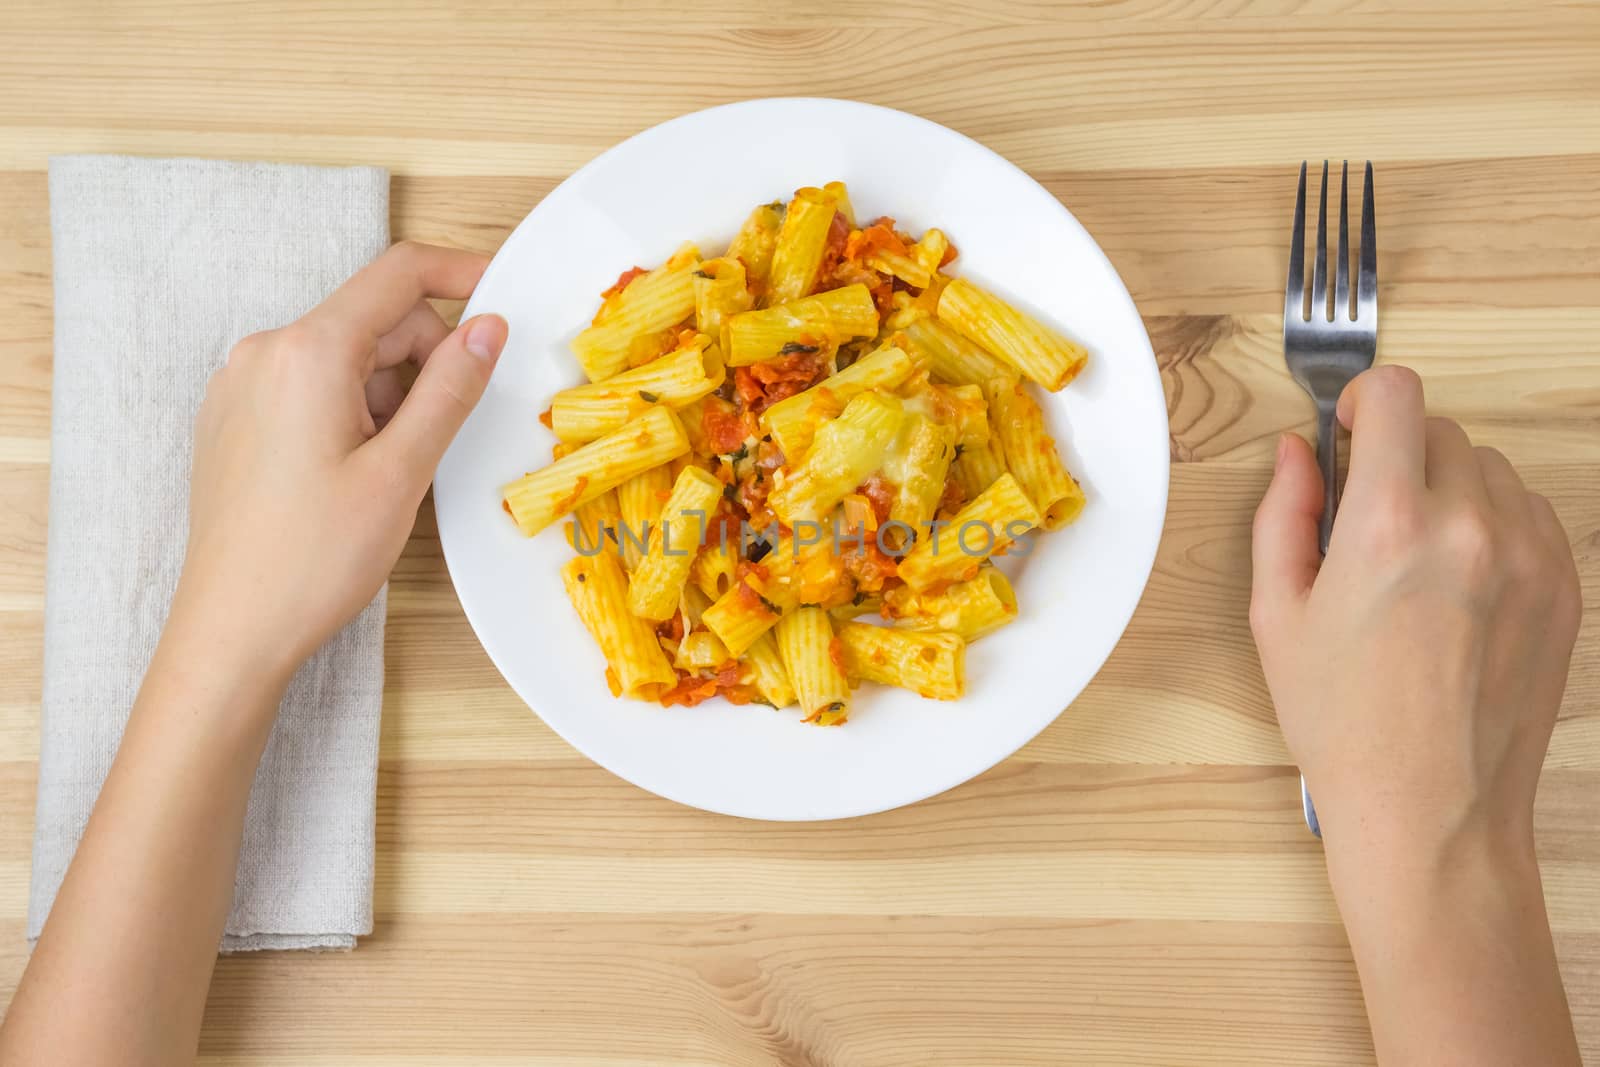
(236, 624)
(215, 658)
(204, 711)
(1448, 928)
(1417, 817)
(1422, 868)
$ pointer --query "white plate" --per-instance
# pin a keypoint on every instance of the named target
(695, 178)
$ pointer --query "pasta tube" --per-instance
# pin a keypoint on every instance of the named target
(771, 679)
(753, 245)
(965, 408)
(805, 641)
(969, 609)
(907, 269)
(639, 503)
(929, 252)
(598, 589)
(952, 358)
(700, 650)
(658, 579)
(537, 499)
(999, 515)
(713, 570)
(693, 416)
(693, 605)
(719, 291)
(798, 255)
(792, 422)
(921, 463)
(741, 615)
(841, 202)
(589, 411)
(962, 407)
(647, 305)
(814, 321)
(594, 525)
(932, 665)
(1026, 343)
(844, 452)
(818, 575)
(977, 466)
(1031, 455)
(755, 602)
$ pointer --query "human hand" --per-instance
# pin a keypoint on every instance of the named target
(1417, 672)
(1418, 669)
(310, 458)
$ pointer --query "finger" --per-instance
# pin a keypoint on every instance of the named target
(417, 334)
(1507, 495)
(1569, 609)
(386, 390)
(378, 296)
(443, 395)
(1285, 557)
(1553, 531)
(1452, 468)
(1382, 409)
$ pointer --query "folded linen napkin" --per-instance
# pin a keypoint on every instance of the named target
(160, 266)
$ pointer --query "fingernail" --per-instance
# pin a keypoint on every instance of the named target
(1283, 450)
(486, 336)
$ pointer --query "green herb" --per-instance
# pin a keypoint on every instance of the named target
(730, 491)
(703, 274)
(792, 347)
(960, 449)
(859, 599)
(648, 398)
(742, 453)
(837, 705)
(769, 605)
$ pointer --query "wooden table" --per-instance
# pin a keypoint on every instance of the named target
(1135, 886)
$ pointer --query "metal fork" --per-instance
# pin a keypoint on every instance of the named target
(1326, 344)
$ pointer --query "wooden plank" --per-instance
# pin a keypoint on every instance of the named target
(1098, 94)
(1476, 238)
(747, 989)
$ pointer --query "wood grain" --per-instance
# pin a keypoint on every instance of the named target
(1134, 887)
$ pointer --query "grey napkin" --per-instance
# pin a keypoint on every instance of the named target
(160, 266)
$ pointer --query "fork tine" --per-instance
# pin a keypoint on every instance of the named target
(1319, 270)
(1367, 281)
(1294, 291)
(1341, 269)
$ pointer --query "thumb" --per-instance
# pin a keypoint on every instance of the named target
(1284, 542)
(446, 389)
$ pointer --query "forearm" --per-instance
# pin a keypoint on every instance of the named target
(132, 938)
(298, 508)
(1453, 946)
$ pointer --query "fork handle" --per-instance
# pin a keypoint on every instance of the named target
(1328, 460)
